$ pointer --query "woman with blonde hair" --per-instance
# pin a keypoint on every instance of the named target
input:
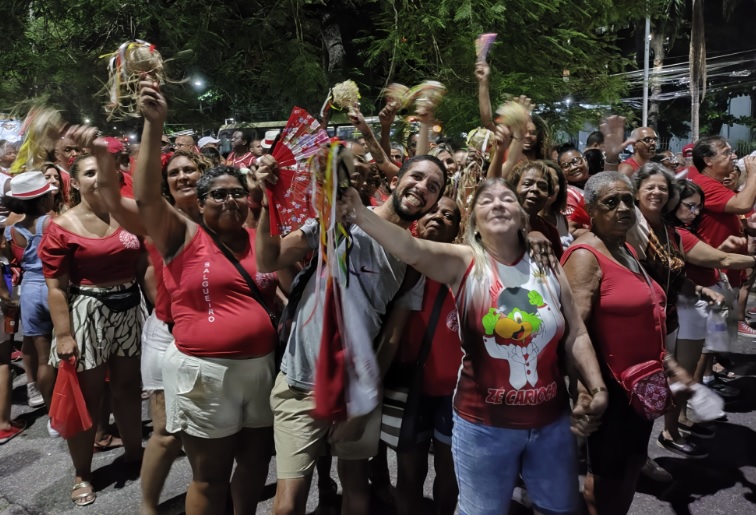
(513, 318)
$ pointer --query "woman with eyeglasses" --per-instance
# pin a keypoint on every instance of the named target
(661, 252)
(575, 170)
(703, 265)
(219, 373)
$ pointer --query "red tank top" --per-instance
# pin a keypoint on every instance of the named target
(511, 325)
(90, 261)
(163, 298)
(633, 164)
(213, 312)
(627, 324)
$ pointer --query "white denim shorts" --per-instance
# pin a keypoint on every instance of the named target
(214, 397)
(155, 341)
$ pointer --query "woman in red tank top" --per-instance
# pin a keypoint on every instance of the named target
(512, 321)
(91, 266)
(180, 175)
(623, 310)
(219, 373)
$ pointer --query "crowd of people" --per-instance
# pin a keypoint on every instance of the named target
(524, 296)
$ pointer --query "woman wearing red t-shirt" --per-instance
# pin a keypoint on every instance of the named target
(513, 318)
(218, 374)
(91, 265)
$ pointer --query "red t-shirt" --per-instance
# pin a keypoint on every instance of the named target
(245, 161)
(538, 223)
(89, 260)
(698, 274)
(715, 225)
(442, 366)
(213, 312)
(511, 325)
(575, 209)
(628, 323)
(163, 298)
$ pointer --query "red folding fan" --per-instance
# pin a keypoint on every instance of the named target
(290, 200)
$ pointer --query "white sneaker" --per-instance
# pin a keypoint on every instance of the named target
(52, 432)
(34, 398)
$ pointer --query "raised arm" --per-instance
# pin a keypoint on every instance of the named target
(168, 229)
(123, 209)
(380, 157)
(613, 129)
(272, 252)
(442, 262)
(482, 73)
(387, 116)
(743, 200)
(425, 113)
(508, 146)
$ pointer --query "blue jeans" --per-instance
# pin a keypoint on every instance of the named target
(488, 460)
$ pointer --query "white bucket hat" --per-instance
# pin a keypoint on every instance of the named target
(29, 185)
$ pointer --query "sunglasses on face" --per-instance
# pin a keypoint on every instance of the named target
(222, 195)
(569, 164)
(68, 150)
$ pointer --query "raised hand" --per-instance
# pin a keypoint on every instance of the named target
(83, 135)
(267, 171)
(613, 129)
(482, 71)
(151, 102)
(388, 114)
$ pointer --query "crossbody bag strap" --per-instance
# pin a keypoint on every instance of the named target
(253, 289)
(432, 323)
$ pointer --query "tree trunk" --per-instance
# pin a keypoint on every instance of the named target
(334, 45)
(697, 66)
(657, 46)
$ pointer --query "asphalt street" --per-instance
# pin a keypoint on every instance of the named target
(36, 473)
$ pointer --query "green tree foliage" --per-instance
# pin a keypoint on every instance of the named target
(258, 58)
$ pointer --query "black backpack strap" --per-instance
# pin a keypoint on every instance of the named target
(253, 289)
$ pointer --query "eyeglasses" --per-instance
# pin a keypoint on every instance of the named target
(648, 140)
(670, 160)
(569, 164)
(727, 152)
(222, 195)
(693, 208)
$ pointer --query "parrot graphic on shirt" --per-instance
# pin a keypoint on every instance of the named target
(514, 331)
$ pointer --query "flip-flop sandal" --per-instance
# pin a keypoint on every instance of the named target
(722, 372)
(83, 498)
(107, 443)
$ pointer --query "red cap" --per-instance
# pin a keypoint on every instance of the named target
(115, 146)
(687, 150)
